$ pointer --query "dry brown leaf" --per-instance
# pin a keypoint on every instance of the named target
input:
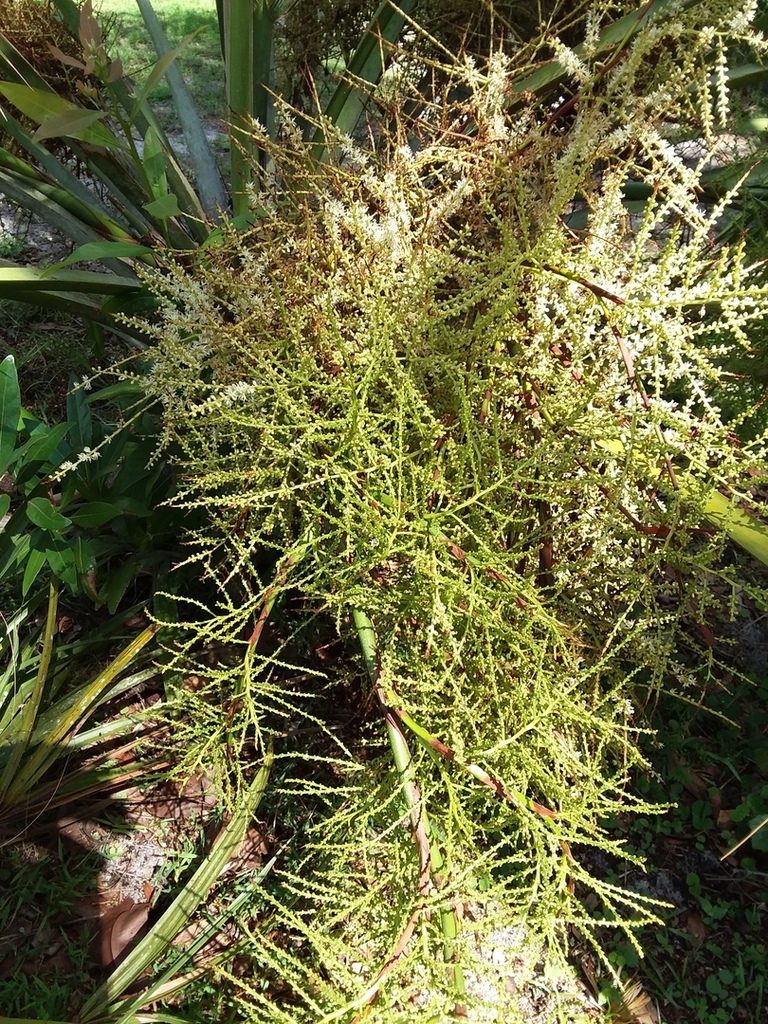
(638, 1004)
(724, 820)
(693, 782)
(119, 926)
(695, 926)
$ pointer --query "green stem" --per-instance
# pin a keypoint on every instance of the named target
(432, 861)
(400, 752)
(105, 1001)
(239, 20)
(263, 44)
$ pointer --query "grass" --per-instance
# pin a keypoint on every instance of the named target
(200, 63)
(46, 955)
(48, 347)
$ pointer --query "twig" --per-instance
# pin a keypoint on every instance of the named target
(268, 601)
(427, 739)
(741, 842)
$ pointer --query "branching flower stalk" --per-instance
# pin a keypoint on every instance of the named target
(430, 858)
(449, 385)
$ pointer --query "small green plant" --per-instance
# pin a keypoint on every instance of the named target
(707, 764)
(753, 811)
(83, 520)
(79, 498)
(10, 246)
(76, 539)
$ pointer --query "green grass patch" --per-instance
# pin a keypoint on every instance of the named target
(45, 944)
(201, 62)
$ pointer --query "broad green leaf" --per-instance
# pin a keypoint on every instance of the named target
(121, 389)
(248, 45)
(85, 557)
(38, 450)
(163, 208)
(136, 303)
(85, 700)
(41, 106)
(133, 469)
(15, 67)
(116, 727)
(94, 513)
(744, 76)
(364, 70)
(134, 507)
(241, 223)
(10, 410)
(118, 582)
(13, 555)
(61, 559)
(79, 416)
(11, 780)
(16, 279)
(42, 513)
(61, 209)
(85, 564)
(154, 165)
(758, 125)
(28, 1020)
(175, 977)
(72, 124)
(613, 38)
(75, 305)
(35, 562)
(102, 251)
(760, 838)
(744, 529)
(58, 182)
(5, 504)
(95, 334)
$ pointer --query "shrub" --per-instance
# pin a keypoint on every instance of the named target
(419, 404)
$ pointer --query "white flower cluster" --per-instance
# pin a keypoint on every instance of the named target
(386, 233)
(743, 18)
(571, 61)
(86, 455)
